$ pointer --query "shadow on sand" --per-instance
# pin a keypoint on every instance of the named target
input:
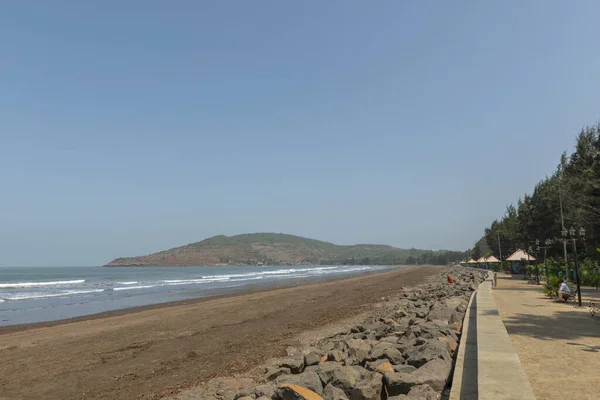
(521, 289)
(585, 347)
(562, 325)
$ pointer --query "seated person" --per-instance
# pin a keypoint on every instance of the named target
(563, 291)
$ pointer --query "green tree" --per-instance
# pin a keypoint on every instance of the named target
(537, 215)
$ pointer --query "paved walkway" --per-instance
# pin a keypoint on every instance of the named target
(487, 365)
(558, 345)
(500, 373)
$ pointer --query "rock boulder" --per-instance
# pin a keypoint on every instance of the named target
(274, 373)
(307, 379)
(264, 391)
(387, 350)
(420, 355)
(435, 374)
(440, 313)
(345, 378)
(296, 365)
(333, 393)
(367, 389)
(312, 358)
(296, 392)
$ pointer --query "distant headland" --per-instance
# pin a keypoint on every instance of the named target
(282, 249)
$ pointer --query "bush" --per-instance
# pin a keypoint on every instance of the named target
(589, 272)
(550, 289)
(536, 270)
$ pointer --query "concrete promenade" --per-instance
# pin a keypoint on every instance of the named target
(558, 344)
(487, 364)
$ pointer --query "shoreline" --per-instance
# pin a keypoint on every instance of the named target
(218, 294)
(161, 350)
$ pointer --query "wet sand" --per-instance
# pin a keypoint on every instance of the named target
(157, 350)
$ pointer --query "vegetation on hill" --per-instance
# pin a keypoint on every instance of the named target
(282, 249)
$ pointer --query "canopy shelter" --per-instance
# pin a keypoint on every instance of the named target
(481, 263)
(490, 260)
(518, 261)
(471, 261)
(520, 255)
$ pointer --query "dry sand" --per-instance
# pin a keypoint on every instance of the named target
(161, 349)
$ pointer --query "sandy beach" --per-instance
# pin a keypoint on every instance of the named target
(155, 351)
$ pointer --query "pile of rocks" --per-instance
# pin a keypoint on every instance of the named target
(404, 351)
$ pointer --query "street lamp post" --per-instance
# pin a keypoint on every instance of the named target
(547, 243)
(529, 251)
(537, 270)
(574, 240)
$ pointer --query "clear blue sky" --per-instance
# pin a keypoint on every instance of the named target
(132, 127)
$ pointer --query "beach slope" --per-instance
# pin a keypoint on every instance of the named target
(157, 351)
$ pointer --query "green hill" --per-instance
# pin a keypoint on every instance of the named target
(282, 249)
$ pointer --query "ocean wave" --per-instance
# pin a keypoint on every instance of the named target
(282, 273)
(231, 275)
(294, 276)
(6, 285)
(352, 269)
(297, 270)
(252, 275)
(278, 272)
(287, 273)
(34, 295)
(179, 280)
(199, 280)
(135, 287)
(247, 279)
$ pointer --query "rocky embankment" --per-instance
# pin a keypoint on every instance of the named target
(404, 351)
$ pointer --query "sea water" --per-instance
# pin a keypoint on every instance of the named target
(38, 294)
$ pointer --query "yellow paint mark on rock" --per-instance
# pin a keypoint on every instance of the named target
(301, 391)
(384, 368)
(449, 342)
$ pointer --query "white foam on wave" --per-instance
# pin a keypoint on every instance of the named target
(249, 274)
(127, 283)
(278, 272)
(200, 280)
(6, 285)
(84, 291)
(352, 269)
(318, 270)
(299, 276)
(247, 279)
(135, 287)
(288, 272)
(38, 295)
